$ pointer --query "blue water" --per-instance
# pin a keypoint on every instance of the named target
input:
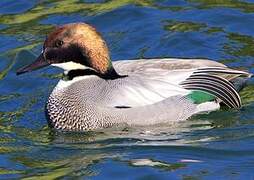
(219, 145)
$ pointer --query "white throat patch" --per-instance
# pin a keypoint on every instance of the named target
(68, 66)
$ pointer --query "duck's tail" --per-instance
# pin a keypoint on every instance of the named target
(240, 82)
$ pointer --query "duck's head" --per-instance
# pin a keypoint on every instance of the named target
(71, 47)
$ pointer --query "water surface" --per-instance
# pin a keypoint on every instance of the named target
(219, 145)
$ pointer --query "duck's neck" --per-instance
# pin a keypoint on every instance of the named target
(111, 74)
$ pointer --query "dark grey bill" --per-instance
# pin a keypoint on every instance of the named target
(40, 62)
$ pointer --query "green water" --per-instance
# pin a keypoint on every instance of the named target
(219, 145)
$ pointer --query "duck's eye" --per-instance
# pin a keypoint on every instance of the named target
(58, 43)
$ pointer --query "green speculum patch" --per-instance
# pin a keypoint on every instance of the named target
(199, 97)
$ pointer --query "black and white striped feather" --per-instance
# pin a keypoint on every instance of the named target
(216, 81)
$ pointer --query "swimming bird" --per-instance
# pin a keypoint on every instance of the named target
(97, 93)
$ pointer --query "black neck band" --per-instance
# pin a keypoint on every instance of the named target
(110, 75)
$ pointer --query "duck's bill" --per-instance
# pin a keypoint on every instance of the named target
(40, 62)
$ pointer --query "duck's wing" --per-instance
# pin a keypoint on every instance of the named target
(218, 82)
(143, 66)
(151, 81)
(172, 71)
